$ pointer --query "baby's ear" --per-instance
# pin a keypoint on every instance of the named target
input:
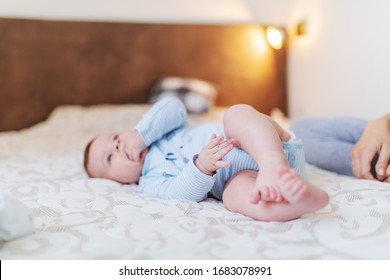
(86, 157)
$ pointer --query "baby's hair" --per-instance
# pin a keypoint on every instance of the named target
(86, 157)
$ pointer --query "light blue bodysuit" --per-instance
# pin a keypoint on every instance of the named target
(169, 171)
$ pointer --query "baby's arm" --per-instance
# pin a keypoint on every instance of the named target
(164, 116)
(190, 184)
(193, 182)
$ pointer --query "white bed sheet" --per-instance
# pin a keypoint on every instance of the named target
(81, 218)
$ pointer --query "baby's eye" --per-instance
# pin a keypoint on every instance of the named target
(109, 158)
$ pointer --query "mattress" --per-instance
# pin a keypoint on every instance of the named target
(76, 217)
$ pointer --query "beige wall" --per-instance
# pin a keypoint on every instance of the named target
(342, 65)
(133, 10)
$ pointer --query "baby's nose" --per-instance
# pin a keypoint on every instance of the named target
(116, 144)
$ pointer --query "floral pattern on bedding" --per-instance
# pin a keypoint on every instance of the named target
(81, 218)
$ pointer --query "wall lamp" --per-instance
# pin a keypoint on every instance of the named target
(275, 37)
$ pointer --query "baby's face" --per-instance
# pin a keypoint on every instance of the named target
(108, 158)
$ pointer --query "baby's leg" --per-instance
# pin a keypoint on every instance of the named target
(267, 179)
(260, 137)
(300, 197)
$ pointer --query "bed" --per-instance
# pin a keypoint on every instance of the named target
(75, 217)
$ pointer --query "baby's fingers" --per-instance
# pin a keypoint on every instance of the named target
(223, 151)
(222, 144)
(214, 140)
(221, 164)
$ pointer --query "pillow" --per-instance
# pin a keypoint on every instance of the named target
(16, 219)
(197, 95)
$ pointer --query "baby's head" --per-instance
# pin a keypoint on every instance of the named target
(105, 156)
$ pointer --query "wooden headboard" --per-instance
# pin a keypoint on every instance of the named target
(44, 64)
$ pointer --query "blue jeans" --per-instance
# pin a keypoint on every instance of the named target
(328, 142)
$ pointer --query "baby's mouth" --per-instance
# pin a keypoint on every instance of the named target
(125, 151)
(143, 154)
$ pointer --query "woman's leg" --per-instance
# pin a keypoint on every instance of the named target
(328, 142)
(300, 197)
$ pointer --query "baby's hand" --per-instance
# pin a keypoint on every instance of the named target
(135, 145)
(210, 157)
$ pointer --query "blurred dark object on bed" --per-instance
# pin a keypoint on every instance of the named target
(197, 95)
(47, 63)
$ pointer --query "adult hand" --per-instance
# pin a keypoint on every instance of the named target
(375, 141)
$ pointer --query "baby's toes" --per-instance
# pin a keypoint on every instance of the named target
(297, 188)
(273, 194)
(255, 197)
(269, 193)
(277, 195)
(287, 182)
(286, 179)
(265, 193)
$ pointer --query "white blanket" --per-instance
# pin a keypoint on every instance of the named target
(16, 219)
(81, 218)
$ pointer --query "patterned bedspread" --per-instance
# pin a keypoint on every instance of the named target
(81, 218)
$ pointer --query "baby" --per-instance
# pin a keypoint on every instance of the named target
(250, 163)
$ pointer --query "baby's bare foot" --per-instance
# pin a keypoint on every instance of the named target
(300, 193)
(267, 182)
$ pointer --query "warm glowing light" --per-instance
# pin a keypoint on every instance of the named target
(274, 37)
(257, 41)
